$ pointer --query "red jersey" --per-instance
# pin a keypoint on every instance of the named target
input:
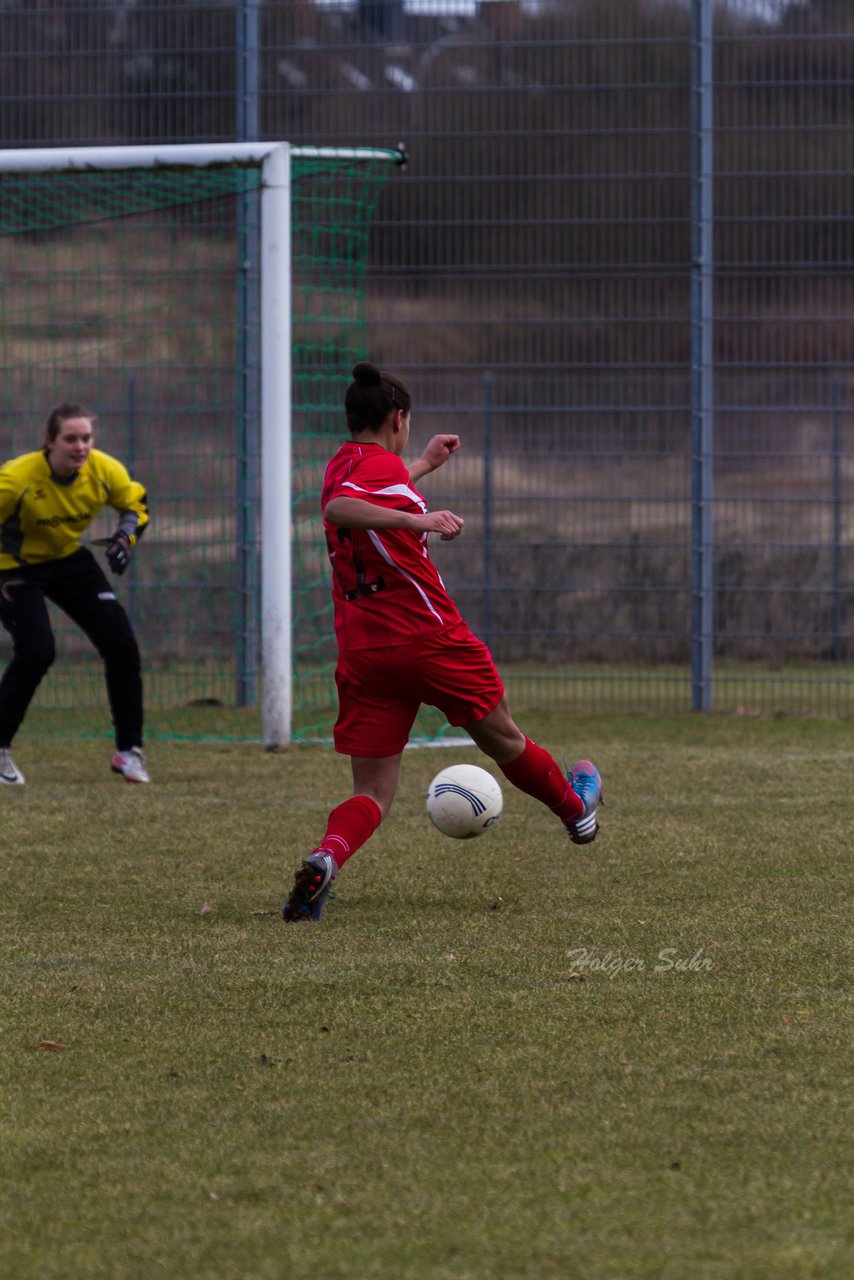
(385, 588)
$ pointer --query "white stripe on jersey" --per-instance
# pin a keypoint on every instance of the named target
(390, 560)
(390, 491)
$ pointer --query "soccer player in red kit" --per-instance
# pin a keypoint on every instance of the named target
(402, 641)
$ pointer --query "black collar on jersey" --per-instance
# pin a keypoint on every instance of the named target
(63, 480)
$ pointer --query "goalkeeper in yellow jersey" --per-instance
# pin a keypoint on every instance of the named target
(47, 500)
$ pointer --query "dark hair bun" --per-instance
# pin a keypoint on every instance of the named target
(367, 374)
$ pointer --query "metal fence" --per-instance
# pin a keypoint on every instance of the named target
(619, 265)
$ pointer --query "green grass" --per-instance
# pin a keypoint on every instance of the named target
(186, 701)
(434, 1083)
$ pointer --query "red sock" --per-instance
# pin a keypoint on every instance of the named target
(349, 826)
(539, 775)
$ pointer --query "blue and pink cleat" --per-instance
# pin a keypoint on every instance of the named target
(586, 782)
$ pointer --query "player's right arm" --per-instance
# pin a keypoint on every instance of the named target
(10, 491)
(355, 513)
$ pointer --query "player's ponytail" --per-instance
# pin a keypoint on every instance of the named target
(372, 396)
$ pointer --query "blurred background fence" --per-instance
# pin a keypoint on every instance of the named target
(619, 265)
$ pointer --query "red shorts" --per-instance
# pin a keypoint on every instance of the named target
(380, 691)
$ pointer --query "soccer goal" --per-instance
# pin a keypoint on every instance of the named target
(206, 303)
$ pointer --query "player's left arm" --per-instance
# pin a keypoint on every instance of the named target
(437, 451)
(10, 493)
(128, 498)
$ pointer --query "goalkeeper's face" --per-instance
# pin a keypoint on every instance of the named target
(71, 447)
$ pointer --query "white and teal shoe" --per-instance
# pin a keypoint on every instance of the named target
(586, 782)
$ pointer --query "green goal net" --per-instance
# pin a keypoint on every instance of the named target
(137, 292)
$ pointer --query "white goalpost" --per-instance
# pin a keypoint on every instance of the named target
(275, 161)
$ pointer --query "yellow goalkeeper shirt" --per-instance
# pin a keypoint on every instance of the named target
(42, 515)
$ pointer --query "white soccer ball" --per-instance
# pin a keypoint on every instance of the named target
(464, 801)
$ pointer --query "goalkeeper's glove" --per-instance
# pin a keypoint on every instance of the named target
(118, 552)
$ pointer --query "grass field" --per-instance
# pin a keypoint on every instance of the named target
(494, 1060)
(195, 701)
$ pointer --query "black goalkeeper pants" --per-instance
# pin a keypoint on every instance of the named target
(80, 588)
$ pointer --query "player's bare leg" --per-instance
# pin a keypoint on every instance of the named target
(497, 735)
(348, 827)
(377, 778)
(573, 795)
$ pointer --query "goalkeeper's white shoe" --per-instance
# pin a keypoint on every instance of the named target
(10, 774)
(131, 765)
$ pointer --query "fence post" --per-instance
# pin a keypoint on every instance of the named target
(246, 130)
(130, 463)
(702, 354)
(488, 385)
(838, 646)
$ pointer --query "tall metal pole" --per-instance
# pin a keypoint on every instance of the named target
(488, 384)
(248, 300)
(702, 354)
(130, 463)
(248, 71)
(838, 646)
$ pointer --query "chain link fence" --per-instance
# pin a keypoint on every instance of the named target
(619, 265)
